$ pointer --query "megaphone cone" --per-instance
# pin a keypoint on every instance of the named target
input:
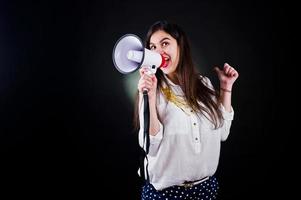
(129, 55)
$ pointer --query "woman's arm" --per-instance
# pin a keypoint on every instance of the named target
(154, 122)
(227, 76)
(149, 82)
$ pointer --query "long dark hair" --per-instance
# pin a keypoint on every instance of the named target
(190, 81)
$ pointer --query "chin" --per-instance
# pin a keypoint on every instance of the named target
(165, 71)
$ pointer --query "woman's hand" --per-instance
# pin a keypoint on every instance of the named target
(147, 82)
(227, 76)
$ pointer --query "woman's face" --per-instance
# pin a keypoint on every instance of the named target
(167, 46)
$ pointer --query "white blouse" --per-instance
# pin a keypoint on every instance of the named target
(187, 147)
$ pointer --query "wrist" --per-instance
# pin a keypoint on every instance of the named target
(225, 90)
(152, 98)
(226, 86)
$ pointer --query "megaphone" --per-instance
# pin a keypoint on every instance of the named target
(129, 55)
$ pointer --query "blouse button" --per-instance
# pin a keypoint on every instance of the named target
(194, 124)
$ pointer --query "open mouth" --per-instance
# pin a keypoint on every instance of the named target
(165, 60)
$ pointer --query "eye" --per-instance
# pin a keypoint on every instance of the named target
(164, 44)
(152, 47)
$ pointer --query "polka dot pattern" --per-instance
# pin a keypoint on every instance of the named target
(206, 190)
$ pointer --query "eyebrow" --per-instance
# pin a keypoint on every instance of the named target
(166, 38)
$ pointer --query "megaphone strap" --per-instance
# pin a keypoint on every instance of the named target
(146, 140)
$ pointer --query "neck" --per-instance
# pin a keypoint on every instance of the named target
(173, 78)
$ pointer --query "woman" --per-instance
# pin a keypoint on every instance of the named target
(188, 119)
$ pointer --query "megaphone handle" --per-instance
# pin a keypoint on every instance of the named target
(150, 71)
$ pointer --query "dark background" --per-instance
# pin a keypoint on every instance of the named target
(65, 121)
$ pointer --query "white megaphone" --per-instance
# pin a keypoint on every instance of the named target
(129, 55)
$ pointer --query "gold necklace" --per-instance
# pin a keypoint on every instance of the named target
(176, 99)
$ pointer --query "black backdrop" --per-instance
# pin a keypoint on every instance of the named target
(66, 122)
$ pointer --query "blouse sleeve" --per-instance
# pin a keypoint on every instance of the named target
(227, 116)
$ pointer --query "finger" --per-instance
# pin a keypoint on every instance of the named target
(143, 86)
(144, 82)
(217, 70)
(227, 69)
(226, 65)
(147, 77)
(142, 71)
(154, 78)
(230, 71)
(147, 86)
(235, 74)
(148, 82)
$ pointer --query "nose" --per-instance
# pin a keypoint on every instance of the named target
(159, 50)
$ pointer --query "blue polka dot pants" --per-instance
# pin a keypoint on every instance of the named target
(206, 190)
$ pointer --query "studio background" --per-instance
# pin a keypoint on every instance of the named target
(66, 112)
